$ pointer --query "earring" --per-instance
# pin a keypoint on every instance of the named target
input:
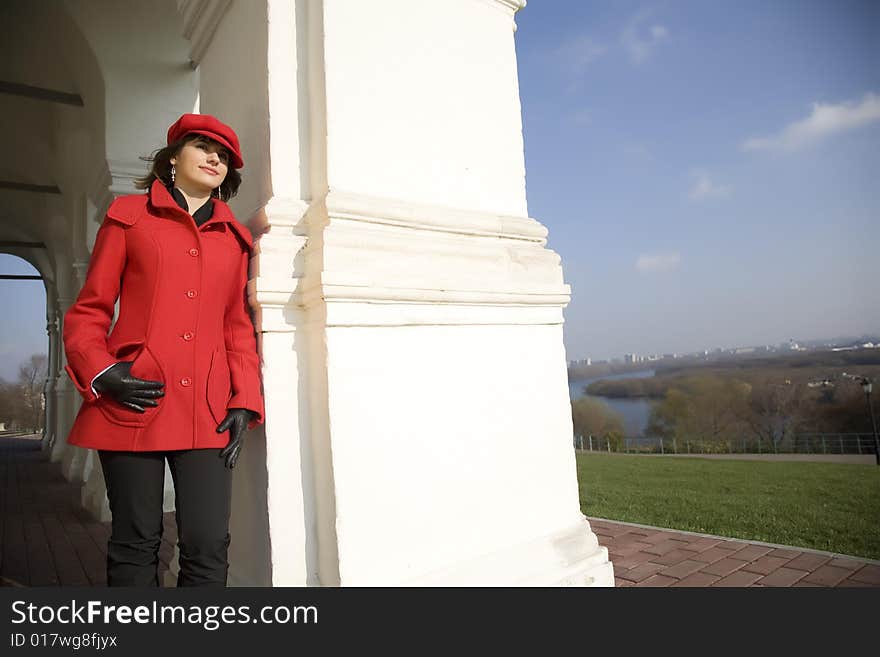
(172, 174)
(219, 193)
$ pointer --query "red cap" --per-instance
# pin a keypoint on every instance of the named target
(210, 126)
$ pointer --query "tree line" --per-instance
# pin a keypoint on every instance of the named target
(709, 407)
(22, 407)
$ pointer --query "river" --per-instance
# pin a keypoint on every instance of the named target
(635, 412)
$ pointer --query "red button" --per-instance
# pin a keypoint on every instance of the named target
(185, 381)
(194, 252)
(191, 293)
(188, 336)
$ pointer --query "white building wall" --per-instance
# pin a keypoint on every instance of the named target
(449, 424)
(442, 454)
(423, 103)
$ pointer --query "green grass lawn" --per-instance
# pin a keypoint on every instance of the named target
(824, 506)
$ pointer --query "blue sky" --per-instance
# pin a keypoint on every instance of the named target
(707, 171)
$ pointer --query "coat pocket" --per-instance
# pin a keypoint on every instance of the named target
(219, 387)
(145, 365)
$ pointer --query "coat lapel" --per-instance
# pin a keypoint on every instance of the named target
(162, 201)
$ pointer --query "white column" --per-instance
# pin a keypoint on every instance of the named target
(449, 425)
(65, 394)
(52, 374)
(418, 426)
(73, 459)
(93, 495)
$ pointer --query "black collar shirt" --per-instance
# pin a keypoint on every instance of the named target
(202, 214)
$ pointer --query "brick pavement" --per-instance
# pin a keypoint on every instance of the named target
(48, 539)
(653, 556)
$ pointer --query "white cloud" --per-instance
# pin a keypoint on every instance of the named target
(704, 187)
(578, 53)
(661, 262)
(824, 121)
(641, 47)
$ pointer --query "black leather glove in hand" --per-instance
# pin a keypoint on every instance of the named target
(236, 421)
(118, 383)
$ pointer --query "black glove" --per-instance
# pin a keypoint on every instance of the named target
(118, 383)
(236, 421)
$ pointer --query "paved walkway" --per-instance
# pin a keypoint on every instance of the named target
(49, 540)
(652, 556)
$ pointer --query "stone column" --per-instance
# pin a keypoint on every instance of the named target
(418, 423)
(66, 395)
(73, 460)
(448, 442)
(52, 375)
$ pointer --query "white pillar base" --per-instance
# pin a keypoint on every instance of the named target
(571, 557)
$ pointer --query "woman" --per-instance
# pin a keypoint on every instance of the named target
(178, 378)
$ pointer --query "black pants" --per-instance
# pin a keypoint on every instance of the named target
(203, 492)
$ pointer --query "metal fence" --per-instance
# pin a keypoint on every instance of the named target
(805, 443)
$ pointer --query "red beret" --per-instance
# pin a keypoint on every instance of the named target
(210, 126)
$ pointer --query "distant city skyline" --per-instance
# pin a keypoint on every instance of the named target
(728, 347)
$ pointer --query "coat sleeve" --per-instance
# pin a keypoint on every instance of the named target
(87, 321)
(94, 378)
(241, 349)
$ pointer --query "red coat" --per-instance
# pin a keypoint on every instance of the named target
(183, 320)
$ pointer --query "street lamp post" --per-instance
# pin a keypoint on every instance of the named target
(866, 386)
(866, 383)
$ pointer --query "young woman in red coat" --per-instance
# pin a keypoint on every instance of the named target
(178, 377)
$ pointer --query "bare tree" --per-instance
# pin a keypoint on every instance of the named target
(700, 408)
(31, 381)
(775, 410)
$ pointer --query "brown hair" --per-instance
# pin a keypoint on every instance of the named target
(161, 167)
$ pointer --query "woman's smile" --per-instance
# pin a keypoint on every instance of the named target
(201, 164)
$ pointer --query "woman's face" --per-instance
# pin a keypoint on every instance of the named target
(201, 164)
